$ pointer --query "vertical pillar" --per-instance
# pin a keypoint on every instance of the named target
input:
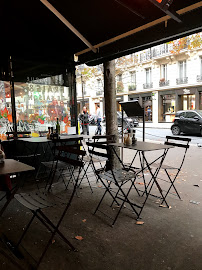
(70, 82)
(197, 99)
(110, 105)
(13, 97)
(155, 107)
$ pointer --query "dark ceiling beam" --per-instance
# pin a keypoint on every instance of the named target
(68, 24)
(141, 28)
(130, 9)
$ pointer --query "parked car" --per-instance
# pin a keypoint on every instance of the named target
(133, 122)
(126, 120)
(189, 122)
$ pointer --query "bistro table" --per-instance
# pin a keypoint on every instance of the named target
(32, 145)
(11, 166)
(140, 149)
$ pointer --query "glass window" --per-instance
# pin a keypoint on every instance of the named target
(38, 107)
(164, 72)
(183, 69)
(168, 107)
(148, 75)
(119, 78)
(201, 65)
(133, 77)
(190, 114)
(6, 122)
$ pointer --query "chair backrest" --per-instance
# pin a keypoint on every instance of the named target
(70, 154)
(94, 149)
(179, 142)
(104, 139)
(17, 134)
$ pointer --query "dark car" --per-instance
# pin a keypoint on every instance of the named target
(133, 122)
(189, 122)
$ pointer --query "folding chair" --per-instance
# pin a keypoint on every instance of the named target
(117, 177)
(177, 142)
(37, 201)
(88, 170)
(50, 165)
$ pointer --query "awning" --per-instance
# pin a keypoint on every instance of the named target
(42, 45)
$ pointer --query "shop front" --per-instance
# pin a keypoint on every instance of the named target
(172, 101)
(37, 107)
(145, 100)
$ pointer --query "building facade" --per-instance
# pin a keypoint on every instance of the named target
(162, 78)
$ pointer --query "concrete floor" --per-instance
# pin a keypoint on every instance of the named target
(169, 239)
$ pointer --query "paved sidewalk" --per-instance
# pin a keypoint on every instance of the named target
(169, 239)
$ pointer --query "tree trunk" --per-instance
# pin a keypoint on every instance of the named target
(110, 106)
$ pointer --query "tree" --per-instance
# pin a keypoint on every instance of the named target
(189, 42)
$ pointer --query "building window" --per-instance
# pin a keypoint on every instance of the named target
(99, 84)
(201, 66)
(148, 75)
(164, 72)
(182, 69)
(168, 108)
(119, 78)
(133, 77)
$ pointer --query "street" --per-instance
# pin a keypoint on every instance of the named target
(155, 134)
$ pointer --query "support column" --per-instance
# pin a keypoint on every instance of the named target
(13, 99)
(110, 105)
(70, 81)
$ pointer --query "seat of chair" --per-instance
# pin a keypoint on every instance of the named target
(49, 164)
(119, 174)
(34, 200)
(94, 159)
(164, 166)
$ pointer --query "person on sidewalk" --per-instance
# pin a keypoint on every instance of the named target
(84, 121)
(99, 119)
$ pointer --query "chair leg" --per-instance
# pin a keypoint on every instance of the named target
(102, 199)
(26, 229)
(172, 185)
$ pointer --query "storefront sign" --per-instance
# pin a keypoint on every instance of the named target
(186, 91)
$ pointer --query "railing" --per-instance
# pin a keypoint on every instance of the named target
(148, 85)
(132, 87)
(164, 83)
(154, 52)
(99, 93)
(182, 80)
(199, 78)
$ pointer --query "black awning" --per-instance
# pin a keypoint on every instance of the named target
(40, 44)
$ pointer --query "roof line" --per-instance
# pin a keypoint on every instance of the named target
(141, 28)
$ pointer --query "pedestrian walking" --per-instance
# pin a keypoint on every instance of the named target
(84, 121)
(99, 119)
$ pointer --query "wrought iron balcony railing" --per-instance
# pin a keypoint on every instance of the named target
(148, 85)
(132, 87)
(182, 80)
(99, 93)
(199, 78)
(164, 83)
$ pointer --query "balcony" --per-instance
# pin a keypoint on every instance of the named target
(131, 87)
(99, 93)
(182, 80)
(199, 78)
(148, 85)
(164, 82)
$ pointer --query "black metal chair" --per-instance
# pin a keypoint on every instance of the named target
(37, 201)
(88, 170)
(46, 167)
(117, 178)
(168, 169)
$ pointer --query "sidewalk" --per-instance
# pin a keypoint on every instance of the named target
(169, 239)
